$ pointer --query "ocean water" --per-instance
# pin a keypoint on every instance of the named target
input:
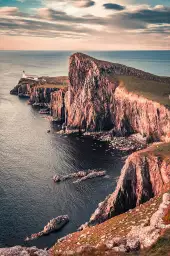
(29, 157)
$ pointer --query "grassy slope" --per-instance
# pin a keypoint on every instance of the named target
(60, 82)
(116, 226)
(151, 90)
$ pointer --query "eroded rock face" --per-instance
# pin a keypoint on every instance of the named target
(40, 95)
(133, 113)
(142, 177)
(58, 109)
(23, 86)
(89, 95)
(44, 91)
(95, 101)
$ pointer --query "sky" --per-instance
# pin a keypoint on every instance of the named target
(84, 25)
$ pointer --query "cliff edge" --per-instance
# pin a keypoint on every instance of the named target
(99, 99)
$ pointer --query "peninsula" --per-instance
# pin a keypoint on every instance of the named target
(100, 97)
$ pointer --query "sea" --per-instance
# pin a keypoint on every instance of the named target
(29, 156)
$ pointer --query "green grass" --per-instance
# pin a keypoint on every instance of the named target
(151, 90)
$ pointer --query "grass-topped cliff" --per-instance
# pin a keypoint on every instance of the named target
(152, 90)
(25, 85)
(105, 96)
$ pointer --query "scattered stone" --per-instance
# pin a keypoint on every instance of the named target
(120, 248)
(83, 226)
(23, 251)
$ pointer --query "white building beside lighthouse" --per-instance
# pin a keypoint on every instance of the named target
(31, 77)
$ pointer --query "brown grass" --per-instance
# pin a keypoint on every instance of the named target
(152, 90)
(116, 226)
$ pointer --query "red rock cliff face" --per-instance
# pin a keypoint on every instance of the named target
(40, 95)
(89, 95)
(97, 102)
(133, 113)
(58, 104)
(143, 177)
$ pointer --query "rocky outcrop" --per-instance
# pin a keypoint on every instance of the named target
(54, 225)
(80, 176)
(143, 176)
(23, 251)
(23, 86)
(43, 91)
(96, 100)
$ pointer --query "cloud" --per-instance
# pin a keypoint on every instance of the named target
(9, 10)
(118, 27)
(115, 7)
(156, 15)
(60, 16)
(84, 3)
(76, 3)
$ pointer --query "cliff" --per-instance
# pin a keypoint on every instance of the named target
(144, 175)
(47, 91)
(25, 84)
(58, 105)
(141, 231)
(99, 100)
(135, 218)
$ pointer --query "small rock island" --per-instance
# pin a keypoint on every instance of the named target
(54, 225)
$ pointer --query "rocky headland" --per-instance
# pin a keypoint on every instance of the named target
(110, 100)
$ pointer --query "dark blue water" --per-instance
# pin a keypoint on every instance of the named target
(29, 157)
